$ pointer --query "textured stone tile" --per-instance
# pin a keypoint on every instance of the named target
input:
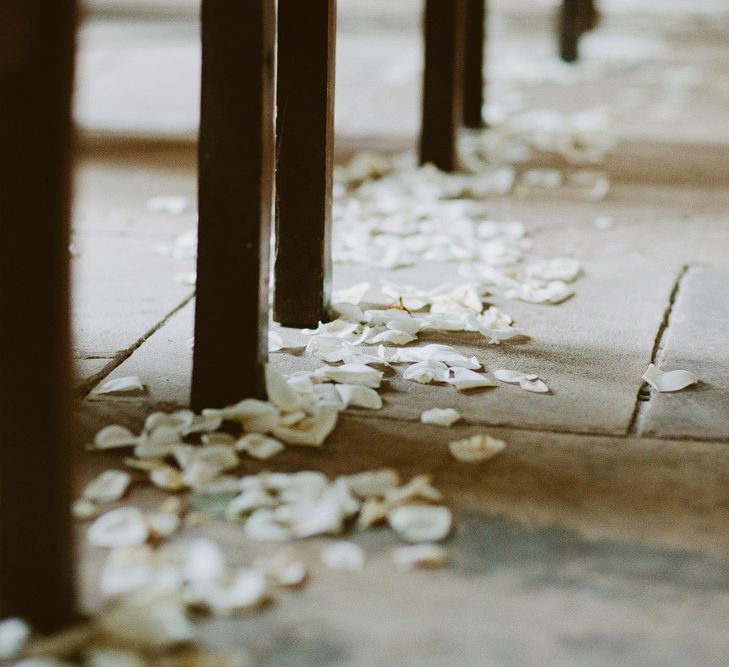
(696, 340)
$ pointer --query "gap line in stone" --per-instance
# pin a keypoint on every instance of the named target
(642, 399)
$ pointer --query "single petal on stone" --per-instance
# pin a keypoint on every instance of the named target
(426, 372)
(113, 436)
(665, 381)
(279, 391)
(311, 431)
(359, 396)
(476, 448)
(352, 374)
(440, 416)
(108, 487)
(421, 523)
(511, 377)
(259, 446)
(122, 527)
(123, 386)
(424, 556)
(465, 379)
(372, 482)
(343, 555)
(282, 569)
(533, 384)
(561, 268)
(353, 295)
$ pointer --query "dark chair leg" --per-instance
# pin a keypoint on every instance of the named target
(36, 72)
(473, 81)
(305, 138)
(444, 27)
(568, 31)
(576, 17)
(235, 183)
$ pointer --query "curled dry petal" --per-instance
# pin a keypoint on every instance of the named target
(665, 381)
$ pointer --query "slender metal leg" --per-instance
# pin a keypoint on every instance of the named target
(235, 199)
(36, 72)
(444, 27)
(305, 144)
(473, 80)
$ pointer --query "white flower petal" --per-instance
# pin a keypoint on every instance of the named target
(311, 431)
(465, 379)
(421, 523)
(343, 555)
(440, 416)
(123, 386)
(665, 381)
(511, 377)
(113, 436)
(428, 371)
(358, 396)
(108, 487)
(476, 448)
(352, 374)
(415, 556)
(121, 527)
(279, 391)
(259, 446)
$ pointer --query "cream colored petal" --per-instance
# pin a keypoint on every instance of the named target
(416, 556)
(666, 381)
(465, 379)
(108, 487)
(421, 523)
(476, 448)
(358, 396)
(440, 416)
(343, 555)
(120, 527)
(259, 446)
(113, 436)
(123, 386)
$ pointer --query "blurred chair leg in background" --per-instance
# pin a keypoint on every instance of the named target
(304, 160)
(235, 181)
(36, 71)
(575, 18)
(442, 102)
(473, 72)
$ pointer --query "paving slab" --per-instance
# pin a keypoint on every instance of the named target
(567, 550)
(123, 286)
(696, 340)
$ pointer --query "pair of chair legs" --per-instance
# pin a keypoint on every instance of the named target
(236, 168)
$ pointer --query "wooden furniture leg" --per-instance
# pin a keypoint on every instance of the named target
(473, 80)
(568, 30)
(36, 72)
(444, 27)
(235, 166)
(304, 160)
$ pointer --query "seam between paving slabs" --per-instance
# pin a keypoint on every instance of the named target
(361, 416)
(120, 357)
(644, 395)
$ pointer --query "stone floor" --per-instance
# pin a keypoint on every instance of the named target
(601, 535)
